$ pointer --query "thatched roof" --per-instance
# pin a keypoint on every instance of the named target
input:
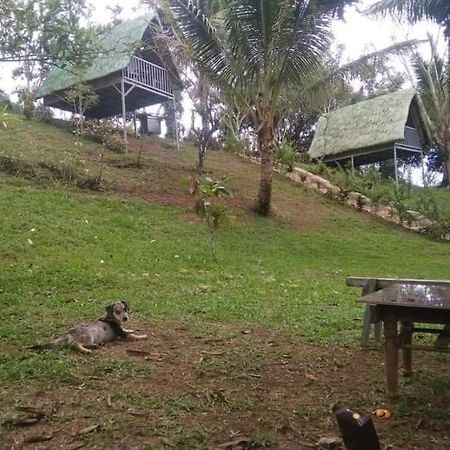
(119, 45)
(367, 124)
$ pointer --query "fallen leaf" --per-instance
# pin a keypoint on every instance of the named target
(133, 412)
(88, 429)
(76, 445)
(138, 352)
(241, 441)
(213, 352)
(254, 375)
(382, 413)
(38, 438)
(310, 377)
(32, 417)
(215, 394)
(24, 421)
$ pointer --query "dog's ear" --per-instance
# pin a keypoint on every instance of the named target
(110, 310)
(126, 305)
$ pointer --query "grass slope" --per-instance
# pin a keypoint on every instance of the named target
(64, 253)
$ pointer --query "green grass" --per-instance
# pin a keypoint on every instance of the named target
(66, 252)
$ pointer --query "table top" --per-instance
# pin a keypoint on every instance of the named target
(411, 295)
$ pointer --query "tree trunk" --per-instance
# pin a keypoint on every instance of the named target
(203, 94)
(201, 152)
(447, 149)
(447, 165)
(265, 143)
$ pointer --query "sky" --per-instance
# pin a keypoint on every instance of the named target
(357, 33)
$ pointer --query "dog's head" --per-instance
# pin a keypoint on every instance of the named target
(117, 312)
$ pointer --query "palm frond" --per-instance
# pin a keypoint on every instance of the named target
(355, 68)
(196, 31)
(413, 10)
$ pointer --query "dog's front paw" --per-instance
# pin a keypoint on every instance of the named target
(137, 337)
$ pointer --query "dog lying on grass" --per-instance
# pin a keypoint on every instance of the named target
(105, 329)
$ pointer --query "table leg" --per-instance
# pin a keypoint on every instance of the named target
(391, 355)
(406, 330)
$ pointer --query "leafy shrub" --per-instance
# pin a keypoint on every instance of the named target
(318, 168)
(369, 182)
(428, 206)
(235, 145)
(105, 133)
(207, 193)
(43, 114)
(286, 155)
(26, 101)
(5, 117)
(5, 102)
(399, 202)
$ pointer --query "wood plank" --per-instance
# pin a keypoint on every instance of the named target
(385, 282)
(427, 348)
(427, 330)
(369, 287)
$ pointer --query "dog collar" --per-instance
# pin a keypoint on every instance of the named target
(117, 329)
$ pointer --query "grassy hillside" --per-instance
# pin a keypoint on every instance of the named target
(64, 252)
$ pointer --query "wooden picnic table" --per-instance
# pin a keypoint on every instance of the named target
(405, 301)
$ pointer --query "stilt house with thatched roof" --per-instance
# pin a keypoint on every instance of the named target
(388, 127)
(128, 73)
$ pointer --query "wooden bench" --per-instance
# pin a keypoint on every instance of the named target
(370, 285)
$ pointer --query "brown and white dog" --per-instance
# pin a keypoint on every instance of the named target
(105, 329)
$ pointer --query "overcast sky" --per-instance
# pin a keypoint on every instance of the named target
(358, 34)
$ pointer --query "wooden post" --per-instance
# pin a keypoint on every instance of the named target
(406, 330)
(424, 181)
(391, 355)
(124, 112)
(175, 122)
(395, 165)
(369, 287)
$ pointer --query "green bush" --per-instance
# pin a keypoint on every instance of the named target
(318, 168)
(43, 114)
(429, 207)
(287, 155)
(105, 133)
(26, 101)
(5, 117)
(235, 145)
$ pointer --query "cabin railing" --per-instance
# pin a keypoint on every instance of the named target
(412, 138)
(146, 74)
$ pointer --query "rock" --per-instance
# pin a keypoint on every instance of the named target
(330, 443)
(353, 199)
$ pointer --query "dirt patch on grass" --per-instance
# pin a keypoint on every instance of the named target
(160, 180)
(189, 387)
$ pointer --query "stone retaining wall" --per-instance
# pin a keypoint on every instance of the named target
(415, 222)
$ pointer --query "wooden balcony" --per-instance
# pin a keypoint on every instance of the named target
(412, 139)
(148, 76)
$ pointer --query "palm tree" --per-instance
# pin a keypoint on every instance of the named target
(262, 48)
(430, 80)
(414, 11)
